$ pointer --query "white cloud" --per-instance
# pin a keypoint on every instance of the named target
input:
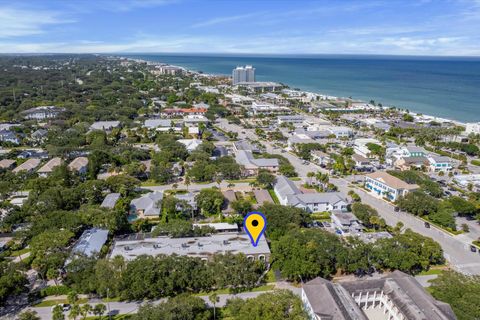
(226, 19)
(20, 22)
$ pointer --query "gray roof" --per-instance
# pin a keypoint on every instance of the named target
(104, 125)
(262, 196)
(148, 203)
(335, 299)
(246, 159)
(110, 200)
(91, 241)
(285, 187)
(415, 149)
(202, 247)
(345, 218)
(154, 123)
(245, 145)
(315, 197)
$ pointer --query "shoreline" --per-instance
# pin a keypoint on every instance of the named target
(404, 110)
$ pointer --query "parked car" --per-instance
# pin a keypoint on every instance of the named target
(396, 209)
(473, 248)
(427, 225)
(65, 306)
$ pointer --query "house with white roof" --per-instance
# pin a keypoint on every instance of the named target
(163, 124)
(9, 136)
(360, 146)
(190, 144)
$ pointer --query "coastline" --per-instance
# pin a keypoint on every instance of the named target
(401, 109)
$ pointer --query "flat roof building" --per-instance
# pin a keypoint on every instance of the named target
(200, 247)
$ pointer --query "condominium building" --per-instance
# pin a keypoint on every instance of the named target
(384, 185)
(243, 74)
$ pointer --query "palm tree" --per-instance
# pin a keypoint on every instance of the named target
(214, 299)
(99, 310)
(310, 175)
(187, 181)
(74, 312)
(85, 310)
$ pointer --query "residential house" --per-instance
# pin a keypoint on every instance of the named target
(33, 153)
(362, 163)
(193, 120)
(27, 166)
(39, 135)
(320, 157)
(163, 125)
(345, 222)
(288, 194)
(110, 200)
(9, 136)
(230, 197)
(414, 151)
(148, 205)
(341, 132)
(409, 163)
(89, 244)
(48, 167)
(246, 146)
(252, 165)
(104, 125)
(440, 163)
(79, 165)
(360, 146)
(42, 113)
(7, 164)
(384, 185)
(190, 144)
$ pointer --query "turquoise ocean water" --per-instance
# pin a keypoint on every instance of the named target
(444, 87)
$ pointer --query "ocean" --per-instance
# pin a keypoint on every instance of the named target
(444, 87)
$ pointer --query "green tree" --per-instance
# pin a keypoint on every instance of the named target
(281, 304)
(210, 201)
(28, 315)
(182, 307)
(242, 206)
(214, 299)
(461, 292)
(265, 178)
(57, 313)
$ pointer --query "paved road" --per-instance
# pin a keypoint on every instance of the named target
(456, 248)
(132, 307)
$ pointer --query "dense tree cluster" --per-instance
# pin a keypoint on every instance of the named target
(302, 254)
(461, 292)
(162, 276)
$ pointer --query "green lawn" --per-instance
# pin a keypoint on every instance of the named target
(51, 303)
(274, 196)
(432, 271)
(19, 252)
(270, 276)
(149, 183)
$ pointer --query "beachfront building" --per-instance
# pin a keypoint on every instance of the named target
(396, 296)
(384, 185)
(267, 108)
(243, 74)
(132, 246)
(169, 70)
(473, 127)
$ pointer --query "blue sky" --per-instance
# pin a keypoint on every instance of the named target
(408, 27)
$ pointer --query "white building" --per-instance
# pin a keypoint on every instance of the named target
(472, 128)
(360, 146)
(384, 185)
(290, 119)
(42, 113)
(243, 74)
(440, 163)
(105, 125)
(289, 195)
(190, 144)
